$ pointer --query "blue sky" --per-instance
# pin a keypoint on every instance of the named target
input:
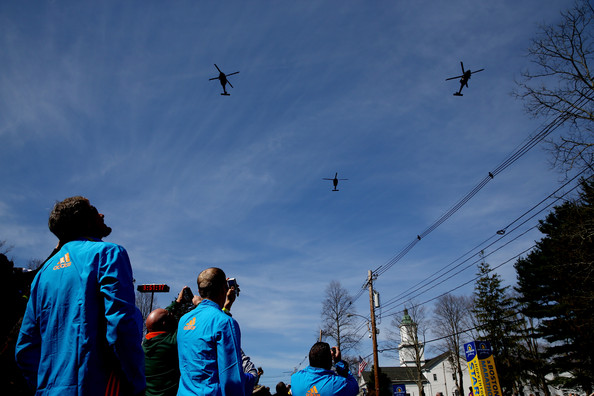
(111, 100)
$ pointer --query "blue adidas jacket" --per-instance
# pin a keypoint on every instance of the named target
(321, 382)
(81, 333)
(209, 350)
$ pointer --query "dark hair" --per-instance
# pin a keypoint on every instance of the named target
(281, 388)
(210, 283)
(320, 356)
(6, 267)
(70, 218)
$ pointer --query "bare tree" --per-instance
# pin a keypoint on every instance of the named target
(411, 341)
(4, 248)
(562, 85)
(337, 320)
(143, 302)
(33, 264)
(452, 316)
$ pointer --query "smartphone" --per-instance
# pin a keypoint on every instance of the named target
(187, 294)
(232, 282)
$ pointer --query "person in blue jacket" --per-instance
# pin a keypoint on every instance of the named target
(209, 344)
(81, 333)
(318, 379)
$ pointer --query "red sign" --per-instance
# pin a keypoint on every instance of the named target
(153, 288)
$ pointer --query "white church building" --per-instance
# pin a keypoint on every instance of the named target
(437, 373)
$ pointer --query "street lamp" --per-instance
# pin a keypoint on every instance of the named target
(361, 316)
(377, 331)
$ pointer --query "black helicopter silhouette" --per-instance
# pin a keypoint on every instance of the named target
(463, 78)
(334, 181)
(223, 79)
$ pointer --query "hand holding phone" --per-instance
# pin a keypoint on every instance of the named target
(232, 282)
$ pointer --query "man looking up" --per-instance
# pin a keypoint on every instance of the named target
(318, 378)
(209, 344)
(81, 332)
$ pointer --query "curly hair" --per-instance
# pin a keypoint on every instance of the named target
(70, 218)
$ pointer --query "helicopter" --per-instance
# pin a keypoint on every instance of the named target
(334, 181)
(223, 79)
(463, 78)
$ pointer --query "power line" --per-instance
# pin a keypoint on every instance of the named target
(416, 288)
(515, 313)
(472, 264)
(500, 232)
(517, 154)
(422, 282)
(433, 278)
(470, 281)
(463, 284)
(497, 266)
(467, 330)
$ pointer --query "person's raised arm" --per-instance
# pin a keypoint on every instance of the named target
(229, 300)
(346, 383)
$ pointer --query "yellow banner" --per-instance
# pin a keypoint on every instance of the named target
(490, 379)
(476, 377)
(481, 367)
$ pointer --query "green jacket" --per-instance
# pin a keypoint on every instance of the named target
(161, 364)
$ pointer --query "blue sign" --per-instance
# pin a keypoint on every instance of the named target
(399, 390)
(470, 351)
(480, 348)
(483, 349)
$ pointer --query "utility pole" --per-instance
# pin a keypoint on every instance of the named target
(445, 379)
(373, 334)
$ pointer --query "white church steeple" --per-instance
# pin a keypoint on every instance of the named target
(410, 347)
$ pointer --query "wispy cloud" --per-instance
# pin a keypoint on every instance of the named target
(113, 102)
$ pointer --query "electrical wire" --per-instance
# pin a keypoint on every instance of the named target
(531, 142)
(517, 154)
(493, 268)
(441, 280)
(471, 265)
(423, 285)
(471, 280)
(515, 313)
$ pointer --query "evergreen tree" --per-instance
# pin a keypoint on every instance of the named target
(532, 363)
(495, 313)
(556, 286)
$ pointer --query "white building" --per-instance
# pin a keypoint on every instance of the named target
(437, 373)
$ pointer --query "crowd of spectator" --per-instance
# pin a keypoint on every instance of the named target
(81, 332)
